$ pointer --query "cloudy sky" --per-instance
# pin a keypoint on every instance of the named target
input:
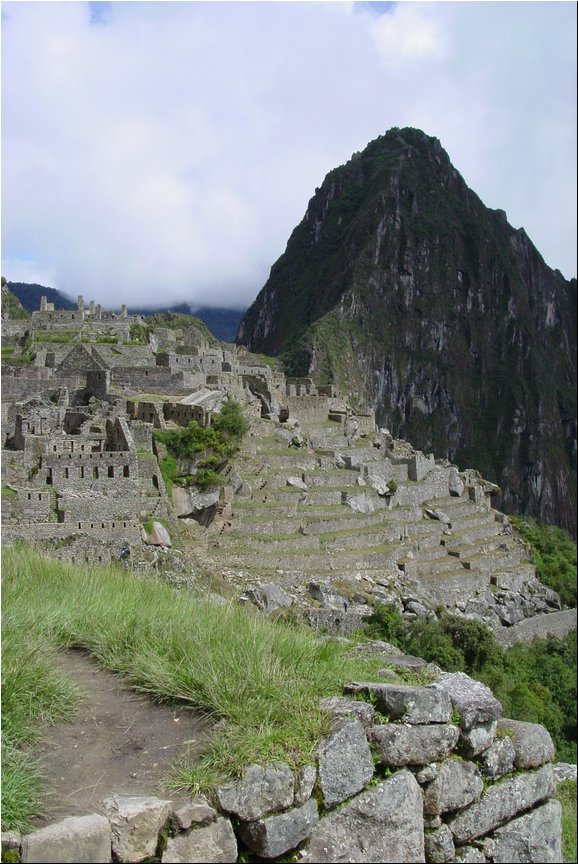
(164, 151)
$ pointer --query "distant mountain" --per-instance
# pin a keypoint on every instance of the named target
(223, 323)
(29, 295)
(404, 290)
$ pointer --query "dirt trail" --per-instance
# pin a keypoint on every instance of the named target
(119, 742)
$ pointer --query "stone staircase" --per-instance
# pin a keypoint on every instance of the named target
(309, 513)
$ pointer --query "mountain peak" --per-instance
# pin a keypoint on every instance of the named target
(402, 288)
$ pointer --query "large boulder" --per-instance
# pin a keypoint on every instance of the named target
(382, 824)
(533, 745)
(498, 759)
(157, 536)
(81, 839)
(413, 705)
(340, 706)
(194, 504)
(456, 785)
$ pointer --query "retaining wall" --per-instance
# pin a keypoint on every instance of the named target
(408, 774)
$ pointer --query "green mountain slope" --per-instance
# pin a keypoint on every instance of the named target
(409, 294)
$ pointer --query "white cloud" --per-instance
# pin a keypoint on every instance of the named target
(410, 32)
(167, 151)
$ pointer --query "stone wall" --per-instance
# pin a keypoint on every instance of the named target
(95, 508)
(405, 774)
(20, 389)
(308, 408)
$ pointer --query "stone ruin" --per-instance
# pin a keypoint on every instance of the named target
(324, 515)
(321, 511)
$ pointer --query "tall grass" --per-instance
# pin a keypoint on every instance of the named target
(32, 694)
(566, 794)
(262, 679)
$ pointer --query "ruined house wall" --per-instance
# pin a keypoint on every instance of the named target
(107, 507)
(104, 472)
(29, 505)
(310, 408)
(20, 389)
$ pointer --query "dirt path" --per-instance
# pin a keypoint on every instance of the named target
(119, 742)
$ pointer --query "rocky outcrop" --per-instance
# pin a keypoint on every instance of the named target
(399, 285)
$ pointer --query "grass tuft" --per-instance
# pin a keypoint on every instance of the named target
(262, 679)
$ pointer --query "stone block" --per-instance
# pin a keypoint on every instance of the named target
(345, 762)
(533, 745)
(536, 836)
(413, 705)
(470, 855)
(135, 823)
(479, 738)
(11, 840)
(498, 759)
(382, 824)
(439, 846)
(304, 783)
(339, 706)
(473, 700)
(398, 745)
(197, 811)
(419, 466)
(212, 844)
(501, 803)
(275, 835)
(456, 485)
(260, 791)
(456, 785)
(78, 840)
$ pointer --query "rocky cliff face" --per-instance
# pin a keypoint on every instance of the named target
(409, 294)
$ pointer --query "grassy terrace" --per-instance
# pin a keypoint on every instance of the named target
(263, 679)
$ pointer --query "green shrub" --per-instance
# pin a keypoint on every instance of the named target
(553, 553)
(207, 479)
(534, 682)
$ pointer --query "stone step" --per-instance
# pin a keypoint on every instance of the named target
(252, 507)
(266, 543)
(492, 562)
(353, 541)
(429, 553)
(469, 535)
(464, 550)
(334, 562)
(447, 565)
(453, 504)
(305, 461)
(471, 520)
(331, 477)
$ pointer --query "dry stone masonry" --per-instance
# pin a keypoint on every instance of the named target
(394, 780)
(322, 513)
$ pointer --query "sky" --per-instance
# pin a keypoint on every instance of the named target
(163, 152)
